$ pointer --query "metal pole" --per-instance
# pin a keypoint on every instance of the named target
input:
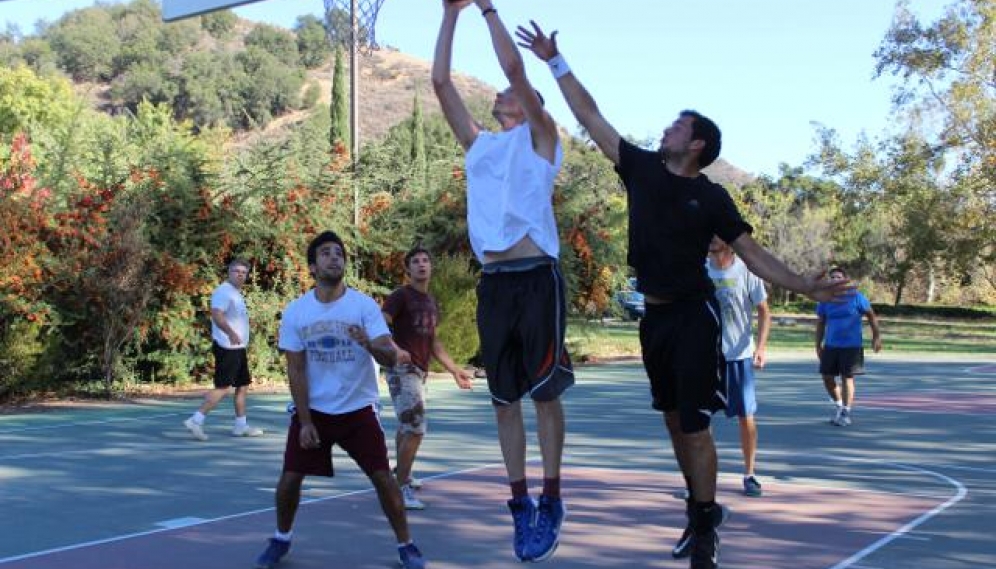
(354, 123)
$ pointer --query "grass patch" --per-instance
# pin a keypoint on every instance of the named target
(612, 338)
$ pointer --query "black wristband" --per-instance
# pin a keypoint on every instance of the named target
(487, 11)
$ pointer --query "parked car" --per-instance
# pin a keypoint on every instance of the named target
(631, 303)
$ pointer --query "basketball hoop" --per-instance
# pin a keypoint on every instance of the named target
(338, 23)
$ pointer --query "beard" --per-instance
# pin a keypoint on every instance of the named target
(329, 277)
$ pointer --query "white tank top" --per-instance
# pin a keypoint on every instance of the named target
(510, 193)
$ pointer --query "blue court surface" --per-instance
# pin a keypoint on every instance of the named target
(911, 484)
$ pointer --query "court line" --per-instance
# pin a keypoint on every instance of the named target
(86, 423)
(125, 537)
(849, 563)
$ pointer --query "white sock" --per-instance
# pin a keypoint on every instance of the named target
(241, 421)
(198, 417)
(846, 408)
(283, 536)
(404, 545)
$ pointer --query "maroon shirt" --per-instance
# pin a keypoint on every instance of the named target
(414, 316)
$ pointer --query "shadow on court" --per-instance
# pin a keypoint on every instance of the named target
(616, 519)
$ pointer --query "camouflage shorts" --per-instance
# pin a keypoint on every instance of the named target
(407, 386)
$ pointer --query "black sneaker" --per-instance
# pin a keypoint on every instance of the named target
(683, 548)
(705, 550)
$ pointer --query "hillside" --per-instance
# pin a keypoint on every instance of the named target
(388, 81)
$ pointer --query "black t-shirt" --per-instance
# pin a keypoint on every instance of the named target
(671, 221)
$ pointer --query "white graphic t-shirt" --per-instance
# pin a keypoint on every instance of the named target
(229, 300)
(342, 376)
(738, 291)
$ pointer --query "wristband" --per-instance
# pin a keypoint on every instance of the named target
(486, 11)
(558, 66)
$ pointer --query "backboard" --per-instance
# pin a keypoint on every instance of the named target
(179, 9)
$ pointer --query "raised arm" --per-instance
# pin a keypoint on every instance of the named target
(459, 118)
(768, 267)
(543, 129)
(581, 103)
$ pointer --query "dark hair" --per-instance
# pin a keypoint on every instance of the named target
(837, 270)
(705, 130)
(321, 239)
(415, 251)
(239, 261)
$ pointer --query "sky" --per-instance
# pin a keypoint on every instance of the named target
(764, 70)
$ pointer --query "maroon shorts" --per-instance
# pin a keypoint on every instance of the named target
(359, 433)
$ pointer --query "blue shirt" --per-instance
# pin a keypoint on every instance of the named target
(843, 321)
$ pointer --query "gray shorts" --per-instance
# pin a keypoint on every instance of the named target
(407, 386)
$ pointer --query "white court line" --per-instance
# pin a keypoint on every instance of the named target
(86, 423)
(124, 537)
(270, 408)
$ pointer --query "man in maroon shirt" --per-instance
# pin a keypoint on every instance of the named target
(412, 314)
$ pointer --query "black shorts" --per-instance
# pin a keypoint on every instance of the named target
(681, 344)
(845, 362)
(231, 367)
(521, 320)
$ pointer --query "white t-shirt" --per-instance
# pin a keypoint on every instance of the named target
(229, 300)
(738, 291)
(510, 193)
(342, 376)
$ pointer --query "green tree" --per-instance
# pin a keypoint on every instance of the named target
(339, 110)
(220, 24)
(86, 43)
(27, 100)
(276, 41)
(947, 69)
(312, 43)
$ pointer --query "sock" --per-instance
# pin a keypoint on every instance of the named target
(702, 517)
(519, 488)
(241, 421)
(404, 545)
(846, 408)
(198, 417)
(283, 536)
(551, 487)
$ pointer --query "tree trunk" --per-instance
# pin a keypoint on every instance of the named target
(931, 284)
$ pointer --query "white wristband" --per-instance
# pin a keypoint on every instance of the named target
(558, 66)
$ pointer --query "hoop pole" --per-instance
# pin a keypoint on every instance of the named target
(354, 114)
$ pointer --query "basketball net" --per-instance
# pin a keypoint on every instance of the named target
(338, 24)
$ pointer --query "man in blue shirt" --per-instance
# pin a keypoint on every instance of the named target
(839, 347)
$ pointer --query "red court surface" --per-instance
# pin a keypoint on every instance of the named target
(616, 518)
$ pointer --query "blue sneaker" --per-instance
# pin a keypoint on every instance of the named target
(409, 557)
(550, 515)
(275, 551)
(752, 487)
(523, 516)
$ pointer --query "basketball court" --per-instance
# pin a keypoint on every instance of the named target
(912, 484)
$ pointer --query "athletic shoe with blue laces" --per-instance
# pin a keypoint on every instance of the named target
(409, 557)
(550, 515)
(275, 551)
(524, 517)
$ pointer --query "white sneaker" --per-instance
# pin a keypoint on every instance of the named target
(246, 431)
(835, 415)
(845, 418)
(411, 502)
(196, 430)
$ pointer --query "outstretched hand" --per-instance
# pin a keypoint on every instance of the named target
(536, 41)
(456, 4)
(825, 290)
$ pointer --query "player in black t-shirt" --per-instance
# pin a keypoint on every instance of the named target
(674, 210)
